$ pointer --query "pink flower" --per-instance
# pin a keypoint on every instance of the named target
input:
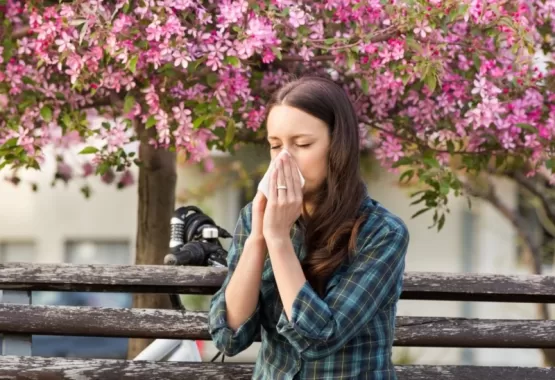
(422, 28)
(88, 169)
(181, 59)
(115, 136)
(306, 53)
(297, 17)
(126, 180)
(64, 171)
(64, 43)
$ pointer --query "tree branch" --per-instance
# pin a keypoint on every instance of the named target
(298, 58)
(490, 195)
(21, 32)
(537, 189)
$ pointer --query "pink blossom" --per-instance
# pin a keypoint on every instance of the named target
(422, 28)
(126, 180)
(486, 95)
(297, 17)
(306, 53)
(88, 169)
(64, 171)
(115, 137)
(181, 59)
(65, 43)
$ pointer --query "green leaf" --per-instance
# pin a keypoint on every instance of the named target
(128, 103)
(477, 61)
(431, 81)
(199, 120)
(364, 85)
(66, 120)
(431, 162)
(133, 64)
(212, 79)
(350, 59)
(527, 127)
(277, 52)
(419, 200)
(420, 212)
(27, 80)
(230, 132)
(402, 161)
(234, 61)
(412, 43)
(89, 150)
(329, 41)
(46, 113)
(9, 143)
(441, 222)
(550, 164)
(408, 175)
(444, 188)
(151, 121)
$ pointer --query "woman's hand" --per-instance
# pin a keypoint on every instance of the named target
(258, 207)
(285, 203)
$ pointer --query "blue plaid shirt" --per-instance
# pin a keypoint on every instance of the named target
(347, 334)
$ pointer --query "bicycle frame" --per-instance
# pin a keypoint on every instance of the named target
(171, 350)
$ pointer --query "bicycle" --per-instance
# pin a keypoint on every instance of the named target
(194, 241)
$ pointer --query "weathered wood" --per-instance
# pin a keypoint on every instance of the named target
(111, 278)
(38, 368)
(479, 287)
(16, 344)
(467, 332)
(173, 324)
(429, 372)
(201, 280)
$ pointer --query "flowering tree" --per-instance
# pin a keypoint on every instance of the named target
(443, 88)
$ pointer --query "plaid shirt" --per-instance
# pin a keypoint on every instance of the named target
(347, 334)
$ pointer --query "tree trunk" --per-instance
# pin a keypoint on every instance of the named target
(157, 179)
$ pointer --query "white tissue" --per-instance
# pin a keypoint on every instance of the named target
(264, 184)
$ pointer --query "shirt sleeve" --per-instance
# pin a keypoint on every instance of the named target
(320, 327)
(227, 340)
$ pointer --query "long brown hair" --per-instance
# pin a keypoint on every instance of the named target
(332, 228)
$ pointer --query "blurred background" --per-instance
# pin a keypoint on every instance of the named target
(58, 224)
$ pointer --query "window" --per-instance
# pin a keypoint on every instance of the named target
(98, 252)
(17, 252)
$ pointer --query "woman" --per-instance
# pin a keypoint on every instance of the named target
(319, 268)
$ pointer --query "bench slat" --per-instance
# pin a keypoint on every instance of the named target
(173, 324)
(101, 369)
(202, 280)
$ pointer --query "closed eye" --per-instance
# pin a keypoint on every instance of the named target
(299, 145)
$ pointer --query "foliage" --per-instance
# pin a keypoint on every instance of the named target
(441, 87)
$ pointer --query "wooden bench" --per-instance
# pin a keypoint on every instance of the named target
(19, 320)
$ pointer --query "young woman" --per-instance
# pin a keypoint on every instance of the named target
(319, 268)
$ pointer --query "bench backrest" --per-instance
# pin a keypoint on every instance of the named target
(19, 319)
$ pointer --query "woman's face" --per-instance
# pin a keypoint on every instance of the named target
(305, 137)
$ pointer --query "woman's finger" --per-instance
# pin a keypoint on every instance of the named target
(272, 185)
(282, 188)
(287, 172)
(296, 179)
